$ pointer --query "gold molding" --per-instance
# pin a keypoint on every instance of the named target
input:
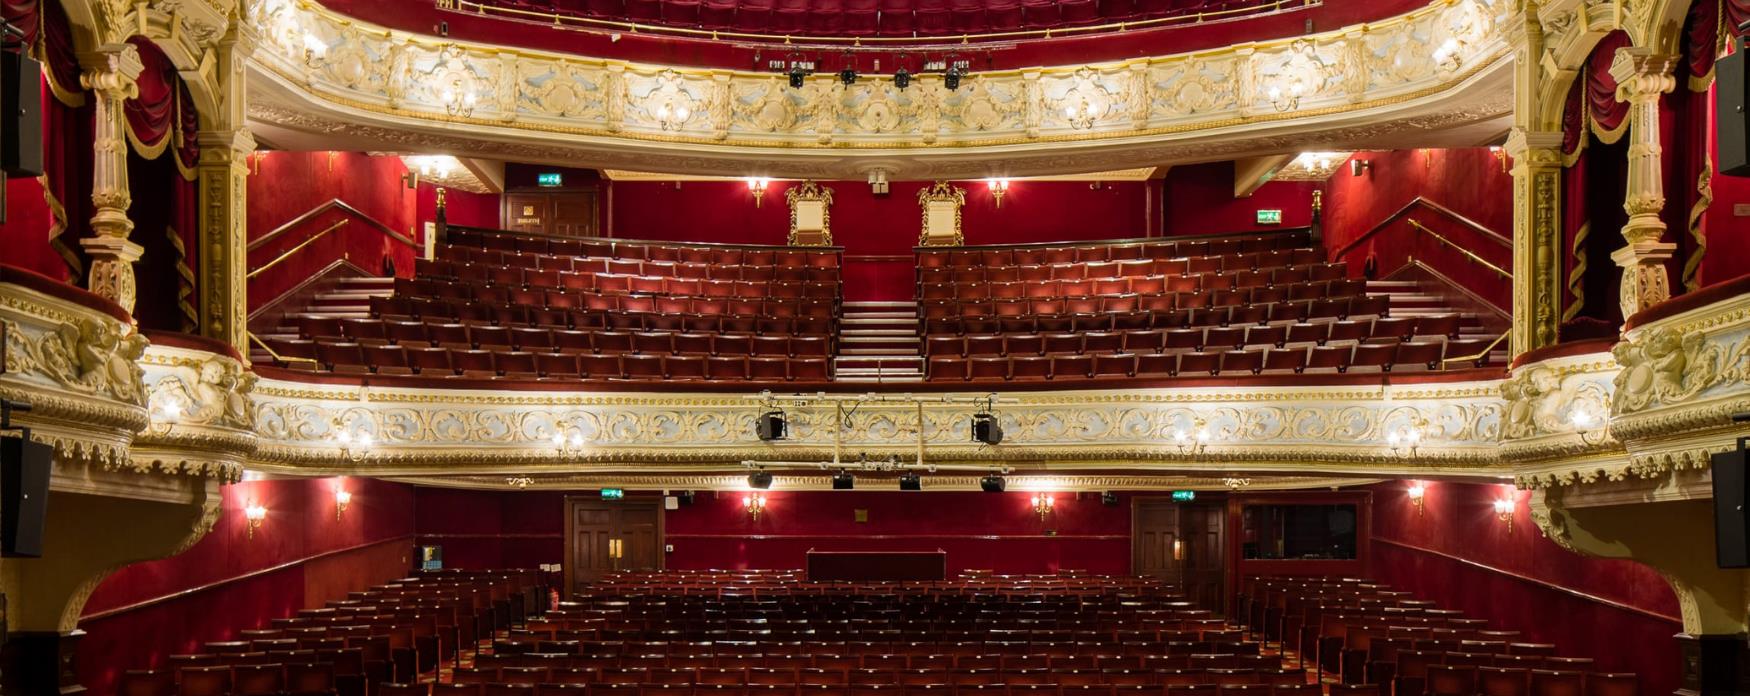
(810, 192)
(941, 192)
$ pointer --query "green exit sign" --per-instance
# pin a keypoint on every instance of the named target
(1184, 496)
(1269, 217)
(613, 493)
(549, 179)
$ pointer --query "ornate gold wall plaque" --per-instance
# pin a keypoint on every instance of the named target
(941, 204)
(810, 214)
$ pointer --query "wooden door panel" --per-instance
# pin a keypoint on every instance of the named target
(1205, 572)
(639, 532)
(526, 212)
(1157, 527)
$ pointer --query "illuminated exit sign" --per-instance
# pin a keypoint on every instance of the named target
(1269, 217)
(613, 493)
(549, 179)
(1184, 496)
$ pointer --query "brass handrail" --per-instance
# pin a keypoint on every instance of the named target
(300, 247)
(560, 20)
(1479, 356)
(275, 354)
(1467, 253)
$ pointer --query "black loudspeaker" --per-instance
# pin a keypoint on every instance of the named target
(1109, 499)
(760, 480)
(1731, 538)
(771, 426)
(24, 496)
(993, 484)
(987, 429)
(843, 481)
(21, 115)
(911, 482)
(1729, 116)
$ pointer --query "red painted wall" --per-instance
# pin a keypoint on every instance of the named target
(879, 232)
(1459, 554)
(491, 529)
(1728, 236)
(248, 580)
(25, 234)
(460, 207)
(996, 531)
(1468, 181)
(1199, 199)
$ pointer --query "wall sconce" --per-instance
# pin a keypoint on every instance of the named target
(1405, 439)
(1042, 505)
(1357, 167)
(1446, 56)
(1500, 154)
(1194, 440)
(1287, 99)
(354, 446)
(458, 100)
(998, 187)
(757, 186)
(314, 47)
(1591, 427)
(567, 444)
(342, 498)
(253, 516)
(1418, 493)
(1080, 114)
(755, 504)
(1504, 511)
(672, 117)
(167, 412)
(410, 179)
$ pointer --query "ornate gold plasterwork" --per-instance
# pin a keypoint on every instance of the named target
(1068, 483)
(944, 194)
(810, 203)
(202, 414)
(370, 68)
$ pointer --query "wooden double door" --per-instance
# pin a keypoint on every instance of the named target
(1183, 543)
(602, 536)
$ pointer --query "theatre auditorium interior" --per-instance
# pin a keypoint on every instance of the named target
(874, 348)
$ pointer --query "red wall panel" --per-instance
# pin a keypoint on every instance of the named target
(25, 234)
(1727, 234)
(492, 529)
(1200, 200)
(460, 207)
(290, 184)
(301, 556)
(1456, 552)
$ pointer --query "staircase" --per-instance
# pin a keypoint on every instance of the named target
(343, 297)
(878, 343)
(1410, 299)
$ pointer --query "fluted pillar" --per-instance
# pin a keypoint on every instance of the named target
(110, 74)
(1642, 77)
(1537, 238)
(225, 146)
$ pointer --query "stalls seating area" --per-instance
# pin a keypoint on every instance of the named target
(894, 18)
(1166, 309)
(500, 306)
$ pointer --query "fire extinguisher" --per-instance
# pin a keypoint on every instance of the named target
(552, 600)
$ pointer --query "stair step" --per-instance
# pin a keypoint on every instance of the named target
(881, 303)
(893, 316)
(912, 332)
(911, 352)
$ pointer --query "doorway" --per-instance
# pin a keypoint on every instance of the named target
(1183, 544)
(603, 536)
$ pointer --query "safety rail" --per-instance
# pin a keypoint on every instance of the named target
(1504, 273)
(294, 250)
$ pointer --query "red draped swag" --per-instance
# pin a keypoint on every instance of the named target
(1688, 165)
(53, 208)
(161, 121)
(1594, 182)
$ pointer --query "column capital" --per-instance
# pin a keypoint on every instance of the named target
(1525, 145)
(112, 70)
(1641, 74)
(225, 144)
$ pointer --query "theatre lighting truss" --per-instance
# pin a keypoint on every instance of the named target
(844, 413)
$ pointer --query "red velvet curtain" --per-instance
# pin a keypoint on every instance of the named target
(1737, 12)
(1574, 227)
(1686, 163)
(58, 218)
(1594, 182)
(165, 210)
(1608, 116)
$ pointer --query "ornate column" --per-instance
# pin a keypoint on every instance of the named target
(1537, 238)
(225, 146)
(110, 73)
(1641, 78)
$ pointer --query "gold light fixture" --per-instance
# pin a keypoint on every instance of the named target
(755, 504)
(355, 446)
(1195, 439)
(253, 515)
(757, 186)
(998, 187)
(1500, 154)
(1591, 427)
(342, 498)
(672, 116)
(567, 443)
(1287, 97)
(1406, 438)
(1418, 493)
(1043, 505)
(1504, 507)
(457, 99)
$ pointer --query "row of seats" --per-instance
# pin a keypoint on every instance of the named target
(772, 337)
(457, 262)
(884, 17)
(1315, 281)
(1382, 357)
(1195, 339)
(532, 246)
(630, 313)
(353, 358)
(1098, 252)
(572, 689)
(476, 280)
(1107, 318)
(1342, 297)
(1290, 265)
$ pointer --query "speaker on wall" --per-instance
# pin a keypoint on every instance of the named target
(21, 115)
(1730, 120)
(1731, 530)
(24, 495)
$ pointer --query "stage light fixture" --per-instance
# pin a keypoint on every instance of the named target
(987, 429)
(951, 78)
(848, 76)
(993, 484)
(902, 78)
(911, 482)
(797, 75)
(772, 425)
(760, 480)
(843, 481)
(1109, 499)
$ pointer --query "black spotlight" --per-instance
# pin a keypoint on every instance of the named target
(902, 79)
(684, 498)
(797, 75)
(987, 429)
(760, 479)
(951, 79)
(843, 481)
(771, 425)
(911, 482)
(993, 483)
(1109, 499)
(848, 76)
